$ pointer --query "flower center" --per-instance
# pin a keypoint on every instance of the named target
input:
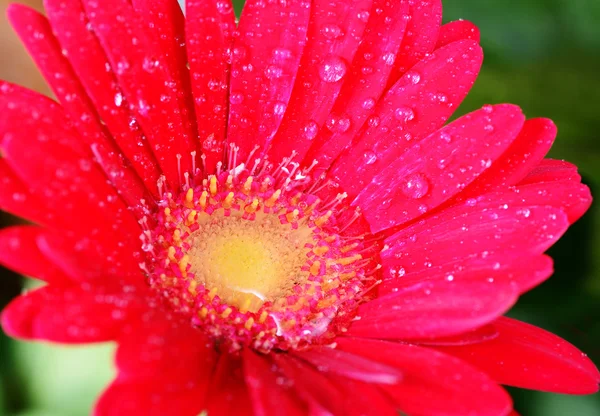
(248, 262)
(258, 259)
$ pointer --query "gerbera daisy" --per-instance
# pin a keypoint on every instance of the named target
(271, 218)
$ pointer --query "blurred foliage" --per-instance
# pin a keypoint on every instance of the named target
(541, 54)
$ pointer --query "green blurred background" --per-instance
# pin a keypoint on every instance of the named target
(541, 54)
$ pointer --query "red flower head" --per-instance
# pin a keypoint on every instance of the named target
(274, 218)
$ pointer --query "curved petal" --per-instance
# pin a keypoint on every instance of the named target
(421, 35)
(266, 55)
(365, 82)
(455, 31)
(525, 271)
(270, 397)
(147, 351)
(334, 34)
(417, 105)
(149, 399)
(209, 28)
(60, 168)
(550, 170)
(228, 394)
(525, 356)
(146, 83)
(455, 235)
(19, 251)
(435, 308)
(439, 167)
(350, 366)
(71, 315)
(86, 56)
(524, 154)
(16, 199)
(35, 32)
(434, 383)
(321, 395)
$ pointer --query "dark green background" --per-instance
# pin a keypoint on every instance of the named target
(543, 55)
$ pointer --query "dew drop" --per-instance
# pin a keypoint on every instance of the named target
(236, 98)
(415, 186)
(370, 157)
(413, 77)
(363, 16)
(332, 31)
(310, 130)
(273, 72)
(368, 104)
(333, 69)
(279, 108)
(150, 64)
(118, 99)
(404, 114)
(389, 58)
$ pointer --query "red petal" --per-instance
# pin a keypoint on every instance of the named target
(228, 394)
(434, 383)
(85, 260)
(143, 75)
(525, 356)
(71, 315)
(421, 35)
(417, 105)
(35, 32)
(455, 31)
(350, 366)
(334, 34)
(85, 54)
(266, 55)
(321, 395)
(525, 153)
(524, 271)
(150, 399)
(365, 82)
(60, 168)
(269, 396)
(550, 170)
(371, 401)
(455, 235)
(19, 251)
(432, 171)
(572, 197)
(209, 28)
(16, 198)
(437, 308)
(147, 350)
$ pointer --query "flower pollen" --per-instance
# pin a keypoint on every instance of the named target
(256, 259)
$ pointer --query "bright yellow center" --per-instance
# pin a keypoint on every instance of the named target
(247, 263)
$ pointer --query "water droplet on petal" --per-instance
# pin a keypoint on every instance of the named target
(333, 69)
(368, 104)
(363, 16)
(413, 77)
(279, 108)
(150, 64)
(118, 99)
(331, 31)
(404, 114)
(370, 157)
(236, 98)
(415, 186)
(488, 108)
(311, 130)
(273, 72)
(389, 58)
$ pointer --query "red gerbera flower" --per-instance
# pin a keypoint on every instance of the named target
(272, 219)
